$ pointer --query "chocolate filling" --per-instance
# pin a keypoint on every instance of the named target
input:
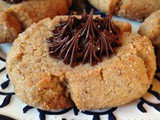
(84, 40)
(14, 1)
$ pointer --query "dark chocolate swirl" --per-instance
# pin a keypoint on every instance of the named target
(13, 1)
(84, 40)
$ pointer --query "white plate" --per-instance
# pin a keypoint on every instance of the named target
(146, 108)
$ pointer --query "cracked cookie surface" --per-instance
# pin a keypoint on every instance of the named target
(49, 84)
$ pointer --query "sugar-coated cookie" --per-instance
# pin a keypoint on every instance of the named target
(131, 9)
(15, 18)
(49, 67)
(151, 28)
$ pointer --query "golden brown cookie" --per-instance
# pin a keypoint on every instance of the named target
(110, 6)
(151, 28)
(15, 18)
(131, 9)
(45, 82)
(4, 5)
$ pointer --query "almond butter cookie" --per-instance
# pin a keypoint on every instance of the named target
(94, 62)
(17, 15)
(151, 29)
(131, 9)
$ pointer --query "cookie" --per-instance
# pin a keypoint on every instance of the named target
(48, 79)
(4, 5)
(130, 9)
(15, 18)
(110, 6)
(151, 28)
